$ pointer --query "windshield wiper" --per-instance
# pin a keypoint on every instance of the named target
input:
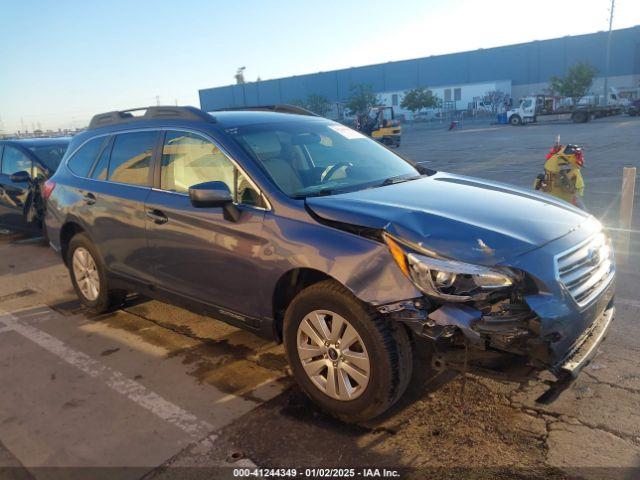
(320, 193)
(398, 179)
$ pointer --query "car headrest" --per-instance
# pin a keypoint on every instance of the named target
(265, 145)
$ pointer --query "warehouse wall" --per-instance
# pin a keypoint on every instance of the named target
(525, 65)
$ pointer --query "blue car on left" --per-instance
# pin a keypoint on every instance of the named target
(25, 164)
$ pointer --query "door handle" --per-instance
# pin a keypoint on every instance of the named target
(89, 198)
(157, 216)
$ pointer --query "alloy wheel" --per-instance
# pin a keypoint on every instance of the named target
(333, 355)
(85, 273)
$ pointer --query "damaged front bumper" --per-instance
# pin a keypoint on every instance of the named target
(586, 347)
(514, 328)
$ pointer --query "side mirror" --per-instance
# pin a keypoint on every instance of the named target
(214, 194)
(20, 177)
(210, 194)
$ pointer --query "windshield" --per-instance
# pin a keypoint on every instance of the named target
(49, 155)
(307, 158)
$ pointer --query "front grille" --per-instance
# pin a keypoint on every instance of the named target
(586, 269)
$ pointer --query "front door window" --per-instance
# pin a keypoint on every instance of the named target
(189, 159)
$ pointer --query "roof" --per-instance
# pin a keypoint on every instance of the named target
(145, 114)
(38, 142)
(237, 118)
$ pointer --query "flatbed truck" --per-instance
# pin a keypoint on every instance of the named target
(547, 108)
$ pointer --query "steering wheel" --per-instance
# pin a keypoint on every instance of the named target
(326, 176)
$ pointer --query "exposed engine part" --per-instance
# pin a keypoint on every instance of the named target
(462, 317)
(414, 314)
(505, 317)
(438, 363)
(417, 304)
(508, 324)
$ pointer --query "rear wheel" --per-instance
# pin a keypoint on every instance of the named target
(347, 359)
(89, 277)
(580, 117)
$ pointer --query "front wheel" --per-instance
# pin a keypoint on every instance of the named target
(347, 359)
(515, 120)
(89, 277)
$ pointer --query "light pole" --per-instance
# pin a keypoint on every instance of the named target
(240, 81)
(608, 57)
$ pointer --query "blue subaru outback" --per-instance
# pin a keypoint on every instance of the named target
(305, 231)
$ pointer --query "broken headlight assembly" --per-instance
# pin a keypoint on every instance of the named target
(450, 280)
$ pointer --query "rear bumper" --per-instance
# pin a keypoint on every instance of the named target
(583, 351)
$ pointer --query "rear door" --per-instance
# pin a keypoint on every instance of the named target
(197, 253)
(113, 202)
(14, 195)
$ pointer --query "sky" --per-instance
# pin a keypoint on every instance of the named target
(61, 61)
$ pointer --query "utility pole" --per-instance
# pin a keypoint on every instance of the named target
(240, 81)
(158, 100)
(608, 58)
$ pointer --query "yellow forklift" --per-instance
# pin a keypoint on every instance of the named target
(380, 124)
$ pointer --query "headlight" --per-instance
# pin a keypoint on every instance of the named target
(449, 279)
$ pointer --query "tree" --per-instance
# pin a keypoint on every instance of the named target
(318, 104)
(361, 98)
(497, 99)
(314, 102)
(419, 98)
(576, 83)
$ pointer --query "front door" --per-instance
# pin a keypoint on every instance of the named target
(14, 196)
(197, 253)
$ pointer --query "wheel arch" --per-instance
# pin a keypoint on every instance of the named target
(287, 287)
(69, 230)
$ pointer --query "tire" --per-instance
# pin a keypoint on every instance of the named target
(580, 117)
(106, 299)
(515, 120)
(386, 345)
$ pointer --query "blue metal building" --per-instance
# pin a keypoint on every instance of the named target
(528, 66)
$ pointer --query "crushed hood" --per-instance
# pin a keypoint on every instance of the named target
(458, 217)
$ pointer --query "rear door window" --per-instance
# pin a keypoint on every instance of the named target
(102, 165)
(82, 160)
(131, 157)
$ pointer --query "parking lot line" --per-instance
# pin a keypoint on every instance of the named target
(115, 380)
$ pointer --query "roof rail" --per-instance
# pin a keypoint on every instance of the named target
(280, 108)
(150, 113)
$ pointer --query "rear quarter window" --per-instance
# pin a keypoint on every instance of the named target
(82, 160)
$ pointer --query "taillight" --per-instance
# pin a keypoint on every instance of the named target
(47, 189)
